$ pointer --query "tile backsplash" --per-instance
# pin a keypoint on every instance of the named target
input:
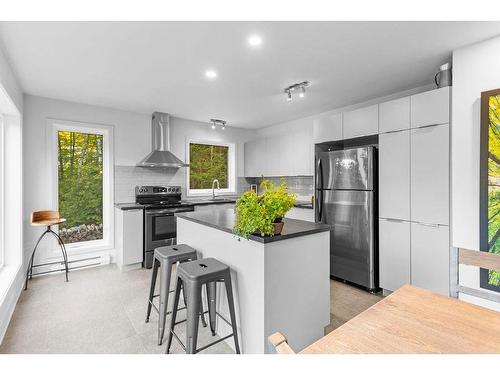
(303, 186)
(128, 177)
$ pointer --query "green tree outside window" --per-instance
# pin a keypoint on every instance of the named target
(207, 163)
(80, 193)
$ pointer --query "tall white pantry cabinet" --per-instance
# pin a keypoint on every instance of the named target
(414, 191)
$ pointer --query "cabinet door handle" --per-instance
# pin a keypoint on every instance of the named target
(394, 220)
(429, 225)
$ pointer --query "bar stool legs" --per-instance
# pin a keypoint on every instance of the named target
(211, 289)
(29, 271)
(165, 274)
(164, 259)
(229, 291)
(191, 276)
(156, 265)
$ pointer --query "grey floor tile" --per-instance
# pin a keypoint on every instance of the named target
(103, 310)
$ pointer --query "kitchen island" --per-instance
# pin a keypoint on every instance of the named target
(280, 283)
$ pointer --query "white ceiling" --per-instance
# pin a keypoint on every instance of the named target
(160, 66)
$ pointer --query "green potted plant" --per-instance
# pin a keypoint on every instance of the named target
(263, 214)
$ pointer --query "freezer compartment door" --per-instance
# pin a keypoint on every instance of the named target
(345, 169)
(352, 247)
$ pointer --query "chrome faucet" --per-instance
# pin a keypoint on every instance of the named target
(213, 187)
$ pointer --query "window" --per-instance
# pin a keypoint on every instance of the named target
(490, 172)
(80, 168)
(209, 162)
(82, 165)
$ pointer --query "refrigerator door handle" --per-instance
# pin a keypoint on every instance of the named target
(319, 174)
(319, 185)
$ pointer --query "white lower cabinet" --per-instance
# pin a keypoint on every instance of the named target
(394, 253)
(129, 238)
(430, 257)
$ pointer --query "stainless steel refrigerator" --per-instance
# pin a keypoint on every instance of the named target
(346, 199)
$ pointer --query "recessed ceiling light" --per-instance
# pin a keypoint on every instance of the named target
(255, 40)
(211, 74)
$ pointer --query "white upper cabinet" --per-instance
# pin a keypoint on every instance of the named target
(430, 108)
(273, 159)
(254, 158)
(360, 122)
(394, 175)
(327, 128)
(394, 115)
(250, 158)
(302, 153)
(284, 155)
(430, 257)
(430, 174)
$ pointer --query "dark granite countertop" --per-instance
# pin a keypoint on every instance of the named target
(128, 206)
(224, 220)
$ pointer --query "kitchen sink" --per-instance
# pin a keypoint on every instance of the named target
(218, 200)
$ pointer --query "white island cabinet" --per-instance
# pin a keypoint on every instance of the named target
(280, 283)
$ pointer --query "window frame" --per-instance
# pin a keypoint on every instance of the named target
(483, 185)
(231, 168)
(53, 127)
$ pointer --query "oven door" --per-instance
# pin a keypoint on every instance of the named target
(160, 230)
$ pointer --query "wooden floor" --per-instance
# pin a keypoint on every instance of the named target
(347, 301)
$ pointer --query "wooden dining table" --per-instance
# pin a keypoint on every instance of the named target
(413, 320)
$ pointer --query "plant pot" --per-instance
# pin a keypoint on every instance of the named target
(278, 227)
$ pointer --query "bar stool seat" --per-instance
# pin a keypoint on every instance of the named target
(191, 276)
(164, 259)
(46, 218)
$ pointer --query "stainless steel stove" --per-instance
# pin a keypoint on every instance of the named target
(161, 203)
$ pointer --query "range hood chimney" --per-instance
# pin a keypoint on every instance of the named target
(161, 155)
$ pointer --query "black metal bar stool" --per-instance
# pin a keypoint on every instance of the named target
(46, 218)
(191, 276)
(164, 258)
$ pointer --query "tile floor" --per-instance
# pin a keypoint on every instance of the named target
(102, 310)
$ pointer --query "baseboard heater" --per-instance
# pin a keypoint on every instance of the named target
(74, 264)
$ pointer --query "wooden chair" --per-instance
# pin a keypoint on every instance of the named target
(280, 344)
(480, 259)
(46, 218)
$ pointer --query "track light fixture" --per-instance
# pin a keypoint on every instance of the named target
(216, 122)
(300, 87)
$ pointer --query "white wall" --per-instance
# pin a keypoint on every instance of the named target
(11, 275)
(475, 69)
(132, 142)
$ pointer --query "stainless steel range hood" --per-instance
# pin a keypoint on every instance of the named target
(161, 155)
